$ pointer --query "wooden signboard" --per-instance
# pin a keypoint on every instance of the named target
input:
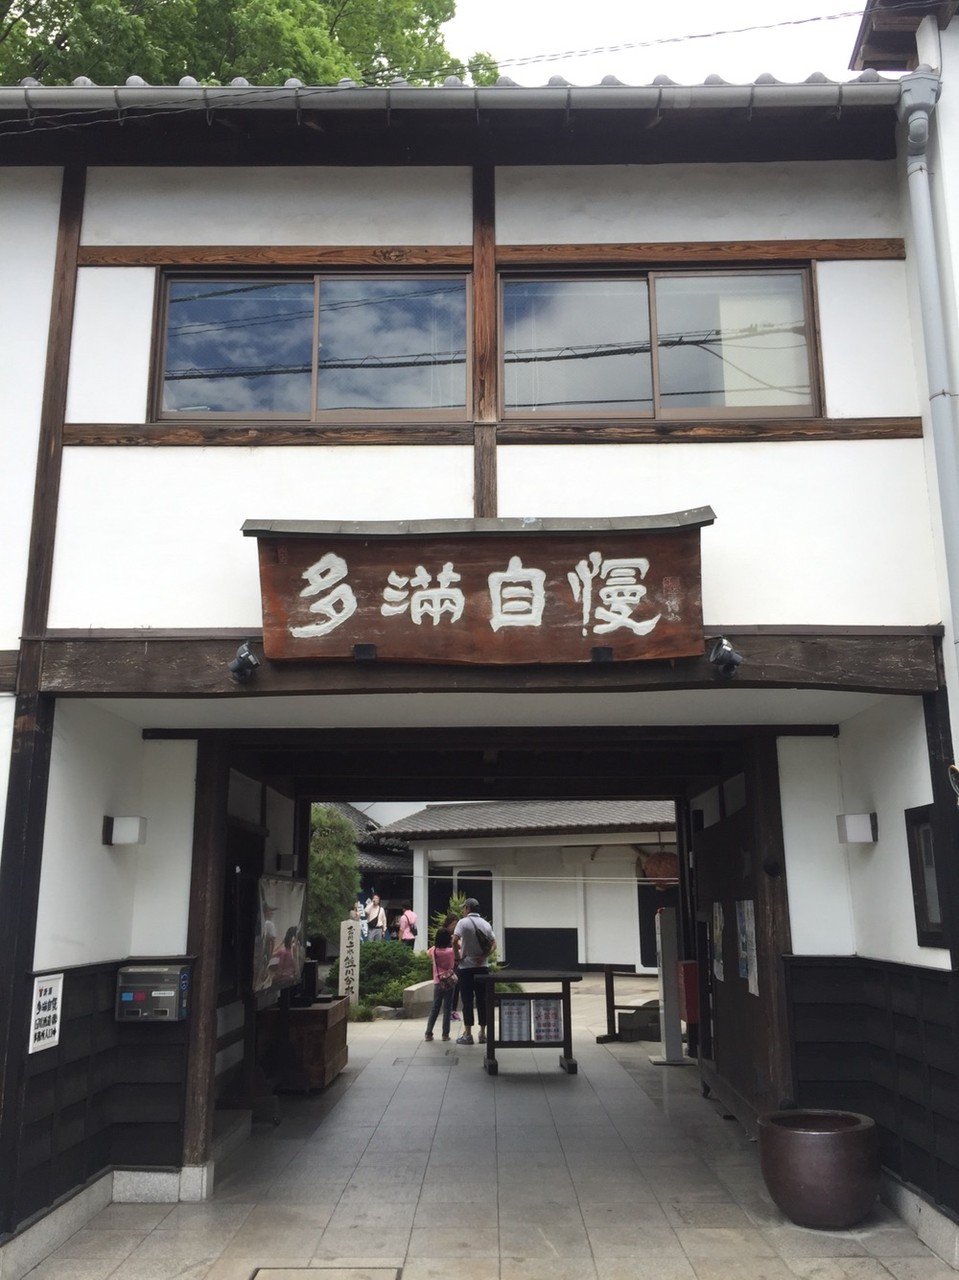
(483, 591)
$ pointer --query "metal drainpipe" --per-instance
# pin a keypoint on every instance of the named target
(917, 101)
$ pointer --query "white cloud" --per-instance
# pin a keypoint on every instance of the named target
(785, 42)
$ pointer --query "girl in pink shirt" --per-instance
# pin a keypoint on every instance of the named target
(444, 982)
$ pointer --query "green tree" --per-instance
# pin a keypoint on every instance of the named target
(334, 877)
(264, 41)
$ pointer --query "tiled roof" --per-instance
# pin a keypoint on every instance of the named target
(394, 864)
(361, 823)
(535, 817)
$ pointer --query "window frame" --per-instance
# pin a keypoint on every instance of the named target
(692, 413)
(923, 817)
(313, 416)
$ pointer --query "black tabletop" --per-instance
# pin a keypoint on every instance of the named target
(529, 975)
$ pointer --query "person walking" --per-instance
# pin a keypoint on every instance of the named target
(406, 925)
(376, 918)
(444, 982)
(473, 941)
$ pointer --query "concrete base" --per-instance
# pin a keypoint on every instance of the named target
(190, 1184)
(30, 1246)
(418, 1000)
(934, 1227)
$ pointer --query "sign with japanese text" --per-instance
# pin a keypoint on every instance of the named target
(560, 596)
(349, 984)
(45, 1012)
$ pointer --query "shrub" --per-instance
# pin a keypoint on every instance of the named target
(386, 969)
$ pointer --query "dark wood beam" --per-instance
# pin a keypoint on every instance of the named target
(890, 662)
(575, 431)
(287, 255)
(9, 665)
(727, 252)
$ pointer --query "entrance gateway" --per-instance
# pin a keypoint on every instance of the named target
(388, 303)
(601, 727)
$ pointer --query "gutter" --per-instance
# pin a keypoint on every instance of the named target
(920, 92)
(766, 93)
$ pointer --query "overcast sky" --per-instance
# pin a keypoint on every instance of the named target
(792, 39)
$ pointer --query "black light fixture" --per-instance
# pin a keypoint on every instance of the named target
(724, 657)
(242, 667)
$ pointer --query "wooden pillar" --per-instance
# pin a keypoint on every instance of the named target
(773, 935)
(203, 942)
(485, 352)
(33, 724)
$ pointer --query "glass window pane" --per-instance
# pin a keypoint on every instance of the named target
(392, 344)
(577, 344)
(732, 342)
(236, 346)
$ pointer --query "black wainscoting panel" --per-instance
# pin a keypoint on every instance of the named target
(542, 948)
(883, 1039)
(107, 1094)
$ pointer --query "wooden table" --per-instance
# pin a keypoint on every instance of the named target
(533, 1019)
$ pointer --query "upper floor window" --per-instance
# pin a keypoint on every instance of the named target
(668, 344)
(308, 347)
(365, 345)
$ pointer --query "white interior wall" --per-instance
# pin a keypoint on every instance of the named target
(280, 812)
(805, 532)
(817, 873)
(8, 705)
(164, 864)
(868, 359)
(164, 535)
(100, 902)
(278, 205)
(29, 216)
(110, 354)
(884, 769)
(602, 204)
(87, 889)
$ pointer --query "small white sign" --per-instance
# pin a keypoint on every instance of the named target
(45, 1013)
(349, 984)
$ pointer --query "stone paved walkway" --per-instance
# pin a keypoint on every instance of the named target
(415, 1163)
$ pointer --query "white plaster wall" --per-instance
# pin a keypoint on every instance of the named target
(281, 205)
(280, 812)
(110, 354)
(540, 892)
(99, 902)
(88, 889)
(151, 537)
(29, 215)
(611, 907)
(884, 769)
(7, 709)
(817, 874)
(602, 204)
(827, 533)
(867, 353)
(164, 863)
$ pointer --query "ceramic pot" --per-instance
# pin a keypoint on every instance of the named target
(820, 1167)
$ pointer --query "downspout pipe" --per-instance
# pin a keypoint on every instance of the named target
(918, 96)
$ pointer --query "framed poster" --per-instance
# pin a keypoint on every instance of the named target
(45, 1012)
(513, 1020)
(547, 1014)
